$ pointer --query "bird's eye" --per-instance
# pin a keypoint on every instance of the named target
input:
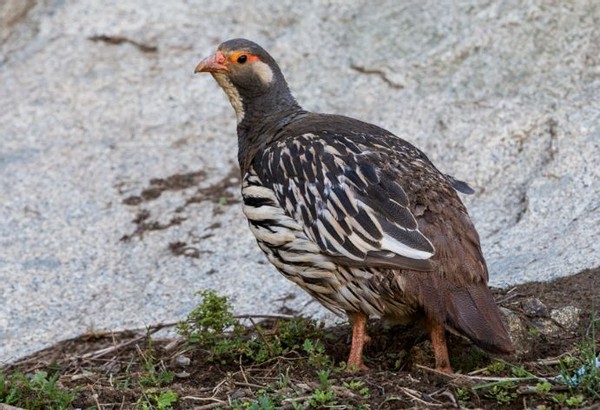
(242, 59)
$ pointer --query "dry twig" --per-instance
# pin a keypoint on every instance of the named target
(413, 394)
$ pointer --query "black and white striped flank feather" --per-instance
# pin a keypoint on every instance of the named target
(354, 210)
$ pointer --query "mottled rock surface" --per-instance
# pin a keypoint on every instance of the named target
(118, 185)
(526, 331)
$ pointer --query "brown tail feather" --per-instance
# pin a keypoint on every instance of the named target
(471, 311)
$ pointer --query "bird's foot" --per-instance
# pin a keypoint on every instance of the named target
(355, 367)
(437, 332)
(444, 369)
(359, 339)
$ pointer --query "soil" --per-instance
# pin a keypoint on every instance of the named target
(114, 370)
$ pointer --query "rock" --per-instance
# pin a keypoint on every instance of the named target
(182, 374)
(567, 317)
(107, 135)
(524, 332)
(518, 331)
(9, 407)
(545, 327)
(238, 394)
(182, 361)
(533, 307)
(11, 14)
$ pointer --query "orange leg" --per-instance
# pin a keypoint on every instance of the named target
(437, 333)
(359, 339)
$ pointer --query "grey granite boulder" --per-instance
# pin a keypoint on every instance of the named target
(119, 192)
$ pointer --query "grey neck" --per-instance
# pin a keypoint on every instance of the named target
(263, 121)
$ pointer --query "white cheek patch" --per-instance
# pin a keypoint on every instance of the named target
(232, 93)
(264, 72)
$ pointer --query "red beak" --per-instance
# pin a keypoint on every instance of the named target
(212, 64)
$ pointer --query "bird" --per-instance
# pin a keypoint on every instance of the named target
(359, 218)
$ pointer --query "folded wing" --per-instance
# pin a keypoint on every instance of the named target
(354, 210)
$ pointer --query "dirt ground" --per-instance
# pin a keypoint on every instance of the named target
(121, 370)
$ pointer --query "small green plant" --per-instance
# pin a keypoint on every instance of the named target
(36, 391)
(316, 354)
(564, 399)
(155, 374)
(213, 326)
(263, 402)
(284, 380)
(533, 331)
(359, 387)
(324, 379)
(462, 395)
(503, 392)
(543, 388)
(207, 323)
(321, 398)
(165, 400)
(496, 367)
(296, 405)
(560, 398)
(157, 401)
(580, 372)
(520, 371)
(575, 401)
(153, 378)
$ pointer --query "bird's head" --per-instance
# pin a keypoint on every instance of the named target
(249, 76)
